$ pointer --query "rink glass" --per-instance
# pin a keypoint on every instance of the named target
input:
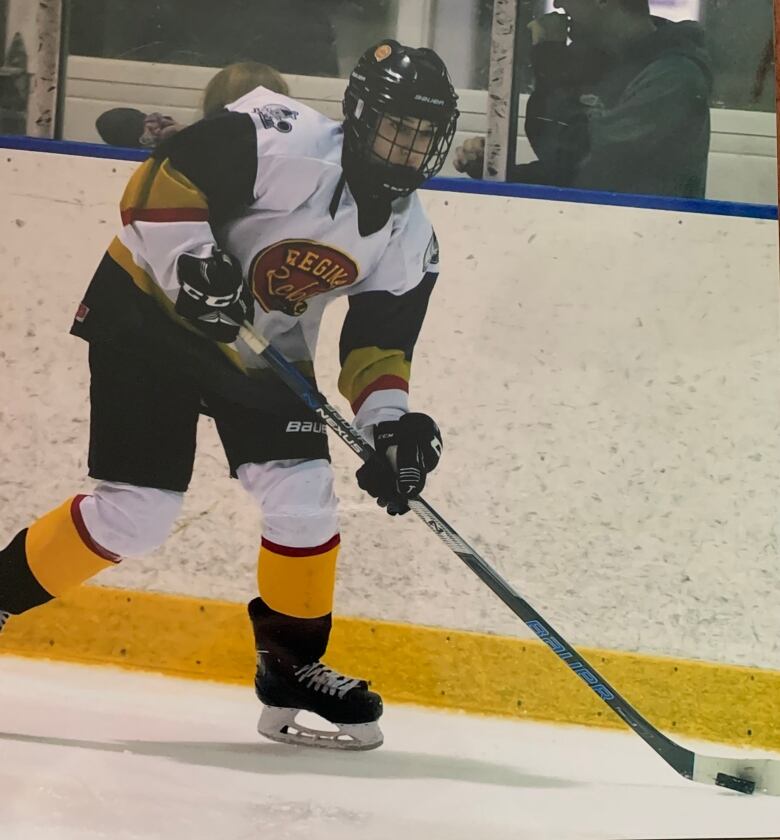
(158, 55)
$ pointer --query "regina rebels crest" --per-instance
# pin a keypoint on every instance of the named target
(285, 275)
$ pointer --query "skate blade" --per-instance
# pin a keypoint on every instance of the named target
(278, 724)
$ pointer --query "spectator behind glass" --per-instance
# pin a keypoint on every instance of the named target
(622, 106)
(132, 128)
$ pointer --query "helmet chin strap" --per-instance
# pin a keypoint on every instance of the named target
(367, 190)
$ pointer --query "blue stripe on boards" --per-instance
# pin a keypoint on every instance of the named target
(457, 185)
(67, 147)
(648, 202)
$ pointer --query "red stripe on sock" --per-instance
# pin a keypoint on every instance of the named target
(289, 551)
(86, 538)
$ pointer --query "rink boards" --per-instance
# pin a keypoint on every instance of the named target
(429, 666)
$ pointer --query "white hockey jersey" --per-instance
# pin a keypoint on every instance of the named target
(264, 181)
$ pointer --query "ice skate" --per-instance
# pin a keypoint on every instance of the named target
(346, 703)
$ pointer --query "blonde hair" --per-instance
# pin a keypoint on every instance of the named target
(233, 81)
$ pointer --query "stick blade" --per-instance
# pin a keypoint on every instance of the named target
(745, 775)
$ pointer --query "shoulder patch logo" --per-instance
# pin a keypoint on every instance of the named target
(285, 275)
(279, 117)
(431, 253)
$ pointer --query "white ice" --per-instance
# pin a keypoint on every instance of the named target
(91, 752)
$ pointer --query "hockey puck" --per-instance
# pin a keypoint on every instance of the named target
(735, 783)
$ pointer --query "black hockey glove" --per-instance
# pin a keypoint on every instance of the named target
(407, 449)
(214, 295)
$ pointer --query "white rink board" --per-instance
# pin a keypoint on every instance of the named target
(606, 380)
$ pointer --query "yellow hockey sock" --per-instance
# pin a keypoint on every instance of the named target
(298, 582)
(60, 552)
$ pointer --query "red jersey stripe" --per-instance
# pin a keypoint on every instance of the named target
(383, 383)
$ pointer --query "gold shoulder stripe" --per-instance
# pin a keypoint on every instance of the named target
(157, 192)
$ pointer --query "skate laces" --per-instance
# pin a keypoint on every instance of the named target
(324, 679)
(4, 616)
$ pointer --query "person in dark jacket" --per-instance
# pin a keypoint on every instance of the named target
(621, 102)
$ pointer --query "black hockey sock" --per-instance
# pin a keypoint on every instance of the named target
(19, 588)
(287, 638)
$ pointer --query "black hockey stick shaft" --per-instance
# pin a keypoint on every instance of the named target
(678, 757)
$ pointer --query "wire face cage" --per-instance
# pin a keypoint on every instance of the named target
(408, 149)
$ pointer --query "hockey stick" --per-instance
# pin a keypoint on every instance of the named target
(743, 775)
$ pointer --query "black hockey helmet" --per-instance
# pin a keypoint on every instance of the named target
(412, 89)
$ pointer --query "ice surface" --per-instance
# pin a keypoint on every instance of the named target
(102, 753)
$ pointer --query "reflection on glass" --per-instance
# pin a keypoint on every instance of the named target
(14, 88)
(306, 37)
(674, 10)
(312, 40)
(148, 62)
(14, 71)
(118, 41)
(739, 37)
(460, 33)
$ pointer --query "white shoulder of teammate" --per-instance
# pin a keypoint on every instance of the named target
(296, 147)
(290, 128)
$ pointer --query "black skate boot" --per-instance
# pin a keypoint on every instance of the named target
(287, 683)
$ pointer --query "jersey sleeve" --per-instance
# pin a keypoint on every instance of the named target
(175, 198)
(383, 323)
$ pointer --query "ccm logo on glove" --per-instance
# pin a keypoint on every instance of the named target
(407, 449)
(214, 295)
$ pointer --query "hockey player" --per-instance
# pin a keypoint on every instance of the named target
(266, 212)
